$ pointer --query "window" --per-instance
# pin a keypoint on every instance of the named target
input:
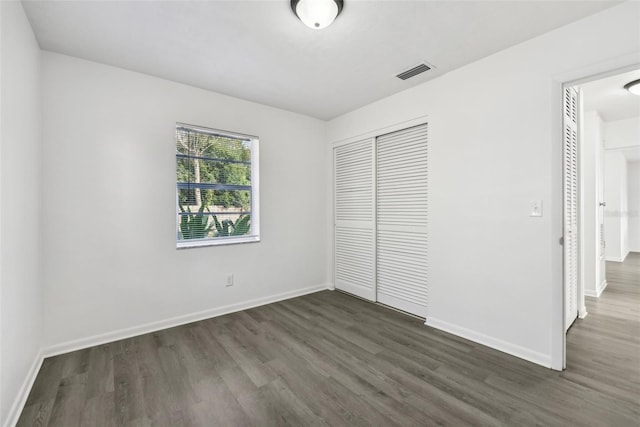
(216, 187)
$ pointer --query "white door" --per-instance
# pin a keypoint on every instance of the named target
(402, 220)
(570, 123)
(354, 218)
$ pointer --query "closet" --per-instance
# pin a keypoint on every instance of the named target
(380, 223)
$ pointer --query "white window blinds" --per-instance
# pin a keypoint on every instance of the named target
(216, 188)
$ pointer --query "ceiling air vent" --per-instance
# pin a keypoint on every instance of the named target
(414, 71)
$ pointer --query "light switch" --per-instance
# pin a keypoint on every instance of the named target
(535, 207)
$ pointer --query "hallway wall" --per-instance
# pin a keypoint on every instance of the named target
(615, 195)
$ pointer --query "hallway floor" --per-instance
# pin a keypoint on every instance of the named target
(603, 350)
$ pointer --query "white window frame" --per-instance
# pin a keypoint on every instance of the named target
(254, 231)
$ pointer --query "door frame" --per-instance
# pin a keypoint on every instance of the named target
(559, 82)
(582, 309)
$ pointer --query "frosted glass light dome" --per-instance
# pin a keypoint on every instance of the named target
(316, 14)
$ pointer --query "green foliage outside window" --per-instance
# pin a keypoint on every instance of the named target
(197, 225)
(212, 159)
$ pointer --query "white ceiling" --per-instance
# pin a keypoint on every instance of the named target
(609, 97)
(613, 102)
(259, 50)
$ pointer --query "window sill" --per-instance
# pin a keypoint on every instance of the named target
(220, 241)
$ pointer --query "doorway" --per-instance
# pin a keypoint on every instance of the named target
(600, 218)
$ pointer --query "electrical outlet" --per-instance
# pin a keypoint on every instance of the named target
(229, 280)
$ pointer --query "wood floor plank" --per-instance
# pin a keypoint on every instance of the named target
(99, 410)
(310, 388)
(99, 371)
(69, 401)
(37, 414)
(329, 359)
(218, 406)
(238, 382)
(267, 407)
(128, 390)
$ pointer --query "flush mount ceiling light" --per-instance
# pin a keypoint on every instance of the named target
(633, 87)
(317, 14)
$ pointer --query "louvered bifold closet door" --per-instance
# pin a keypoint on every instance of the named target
(570, 123)
(354, 222)
(402, 201)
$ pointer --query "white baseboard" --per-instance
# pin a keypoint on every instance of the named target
(146, 328)
(600, 288)
(582, 313)
(495, 343)
(25, 389)
(613, 259)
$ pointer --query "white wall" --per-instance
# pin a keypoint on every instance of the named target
(619, 135)
(633, 195)
(615, 195)
(622, 133)
(495, 144)
(110, 263)
(20, 184)
(589, 152)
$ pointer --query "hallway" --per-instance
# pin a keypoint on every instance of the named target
(603, 349)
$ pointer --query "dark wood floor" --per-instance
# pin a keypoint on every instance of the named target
(330, 359)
